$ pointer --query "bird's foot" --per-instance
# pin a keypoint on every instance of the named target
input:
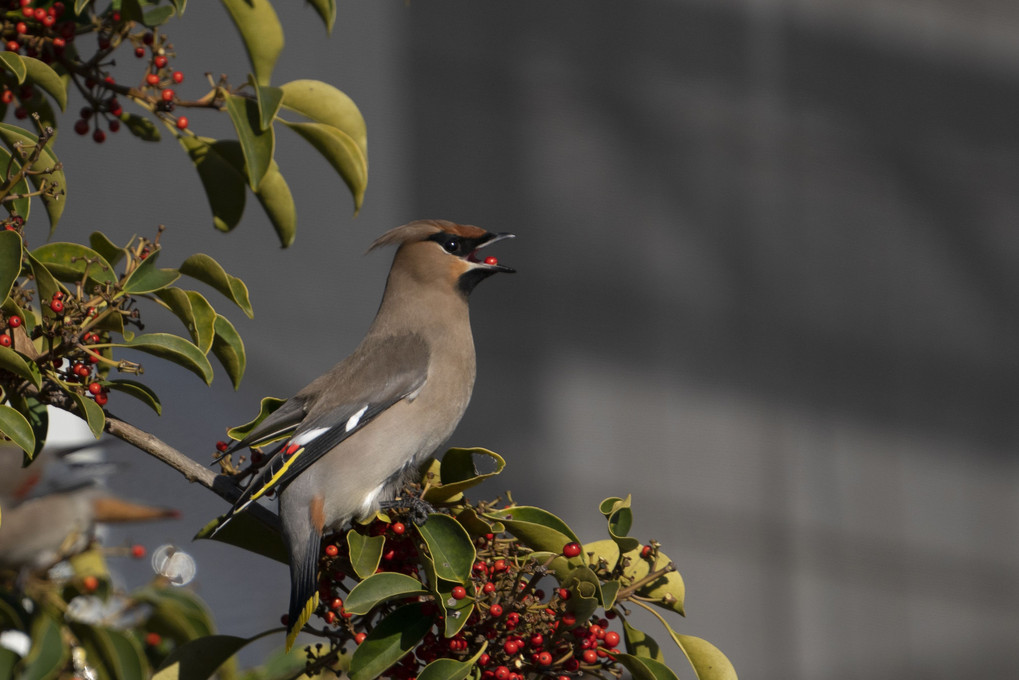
(419, 509)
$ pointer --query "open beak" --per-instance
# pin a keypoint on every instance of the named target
(490, 262)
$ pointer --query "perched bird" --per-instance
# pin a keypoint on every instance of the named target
(354, 435)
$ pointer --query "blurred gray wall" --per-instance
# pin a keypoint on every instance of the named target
(767, 286)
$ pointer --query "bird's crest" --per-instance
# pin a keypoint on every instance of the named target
(421, 230)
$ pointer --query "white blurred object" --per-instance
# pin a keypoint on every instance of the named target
(173, 564)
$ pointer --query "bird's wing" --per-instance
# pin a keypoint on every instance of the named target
(339, 404)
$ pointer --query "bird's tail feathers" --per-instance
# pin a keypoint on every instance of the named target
(303, 583)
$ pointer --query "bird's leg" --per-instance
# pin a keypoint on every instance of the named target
(419, 508)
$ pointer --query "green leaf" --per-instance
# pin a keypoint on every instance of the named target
(38, 419)
(642, 668)
(198, 659)
(105, 247)
(157, 16)
(47, 79)
(251, 534)
(537, 528)
(16, 427)
(380, 588)
(365, 553)
(195, 313)
(458, 473)
(92, 412)
(708, 662)
(39, 105)
(229, 349)
(256, 145)
(118, 654)
(146, 278)
(173, 348)
(220, 166)
(446, 669)
(23, 204)
(45, 170)
(179, 614)
(342, 152)
(620, 519)
(391, 638)
(261, 32)
(16, 364)
(80, 5)
(13, 62)
(450, 546)
(323, 103)
(269, 100)
(277, 201)
(70, 261)
(205, 269)
(142, 393)
(640, 643)
(48, 654)
(45, 282)
(268, 405)
(10, 262)
(667, 591)
(327, 10)
(141, 127)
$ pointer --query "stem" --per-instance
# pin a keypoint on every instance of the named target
(626, 592)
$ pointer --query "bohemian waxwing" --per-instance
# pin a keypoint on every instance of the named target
(355, 435)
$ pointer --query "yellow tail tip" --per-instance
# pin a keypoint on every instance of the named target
(293, 628)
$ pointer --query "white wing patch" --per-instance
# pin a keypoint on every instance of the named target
(305, 437)
(368, 504)
(355, 419)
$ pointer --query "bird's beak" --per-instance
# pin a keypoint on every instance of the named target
(490, 262)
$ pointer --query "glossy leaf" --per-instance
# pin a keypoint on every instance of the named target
(205, 269)
(454, 612)
(458, 473)
(620, 518)
(119, 654)
(10, 262)
(91, 412)
(667, 591)
(147, 278)
(38, 419)
(46, 78)
(323, 103)
(391, 638)
(450, 547)
(11, 134)
(194, 311)
(642, 668)
(268, 405)
(257, 145)
(139, 391)
(45, 282)
(177, 614)
(341, 151)
(537, 528)
(709, 663)
(23, 204)
(251, 534)
(141, 127)
(229, 349)
(198, 659)
(175, 349)
(71, 261)
(111, 252)
(365, 553)
(49, 653)
(220, 166)
(269, 99)
(16, 364)
(13, 63)
(17, 428)
(80, 5)
(157, 16)
(277, 201)
(327, 10)
(261, 33)
(640, 643)
(381, 587)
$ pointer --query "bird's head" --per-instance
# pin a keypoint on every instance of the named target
(436, 251)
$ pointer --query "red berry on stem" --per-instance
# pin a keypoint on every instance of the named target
(489, 587)
(502, 673)
(571, 549)
(138, 551)
(90, 584)
(153, 639)
(336, 604)
(458, 592)
(94, 388)
(544, 659)
(13, 46)
(101, 398)
(222, 446)
(5, 340)
(332, 550)
(139, 52)
(56, 305)
(360, 637)
(14, 321)
(7, 97)
(398, 528)
(167, 95)
(152, 79)
(182, 123)
(590, 656)
(495, 610)
(98, 136)
(114, 125)
(511, 647)
(178, 77)
(159, 61)
(611, 638)
(21, 27)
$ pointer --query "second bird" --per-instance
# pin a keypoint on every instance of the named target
(355, 434)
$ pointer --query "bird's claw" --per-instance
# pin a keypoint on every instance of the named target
(419, 508)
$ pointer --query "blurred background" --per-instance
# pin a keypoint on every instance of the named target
(767, 284)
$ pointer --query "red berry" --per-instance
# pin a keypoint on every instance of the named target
(153, 639)
(590, 656)
(138, 551)
(7, 97)
(56, 305)
(569, 619)
(159, 61)
(94, 388)
(398, 528)
(59, 43)
(645, 551)
(14, 321)
(58, 295)
(24, 3)
(502, 673)
(5, 340)
(537, 640)
(544, 659)
(114, 125)
(489, 587)
(611, 638)
(49, 20)
(484, 659)
(21, 27)
(495, 610)
(139, 52)
(359, 638)
(499, 565)
(148, 38)
(330, 617)
(101, 398)
(222, 446)
(571, 549)
(39, 14)
(511, 647)
(152, 79)
(563, 594)
(182, 123)
(98, 136)
(90, 584)
(27, 12)
(336, 604)
(13, 46)
(167, 95)
(491, 260)
(332, 550)
(178, 77)
(458, 592)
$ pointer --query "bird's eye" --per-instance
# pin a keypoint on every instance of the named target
(451, 245)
